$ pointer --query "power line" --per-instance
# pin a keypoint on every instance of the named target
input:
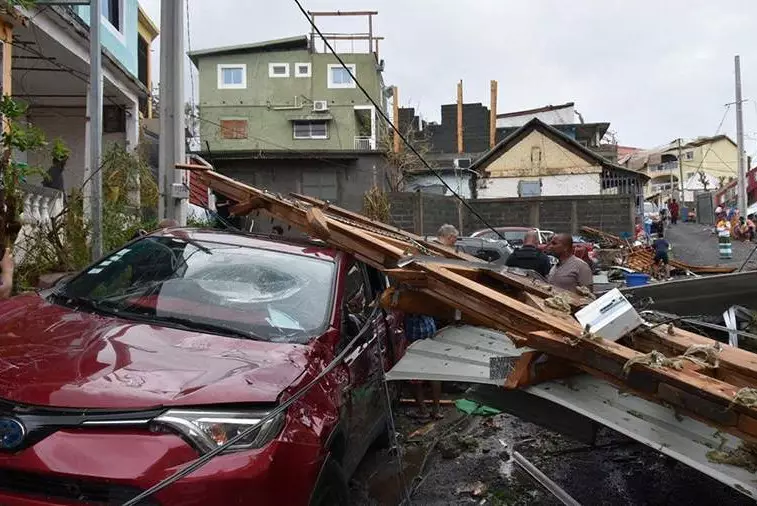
(385, 117)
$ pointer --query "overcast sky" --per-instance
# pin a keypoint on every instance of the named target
(655, 69)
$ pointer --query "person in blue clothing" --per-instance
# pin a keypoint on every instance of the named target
(661, 258)
(417, 327)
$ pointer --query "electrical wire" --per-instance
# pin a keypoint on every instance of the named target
(389, 122)
(203, 460)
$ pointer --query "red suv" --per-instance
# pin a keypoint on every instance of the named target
(169, 347)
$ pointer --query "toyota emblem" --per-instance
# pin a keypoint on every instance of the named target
(12, 433)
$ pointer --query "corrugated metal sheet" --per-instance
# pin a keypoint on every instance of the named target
(462, 354)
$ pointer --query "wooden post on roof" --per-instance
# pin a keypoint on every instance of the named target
(493, 115)
(460, 145)
(396, 119)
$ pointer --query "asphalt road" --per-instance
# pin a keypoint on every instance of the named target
(697, 245)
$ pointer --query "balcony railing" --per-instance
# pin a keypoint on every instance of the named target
(41, 205)
(663, 167)
(365, 143)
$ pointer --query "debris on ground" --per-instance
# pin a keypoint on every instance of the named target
(474, 408)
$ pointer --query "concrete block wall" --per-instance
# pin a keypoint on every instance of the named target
(424, 213)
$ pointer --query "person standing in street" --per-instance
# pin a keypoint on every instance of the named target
(6, 275)
(724, 237)
(570, 271)
(528, 256)
(661, 248)
(674, 210)
(417, 327)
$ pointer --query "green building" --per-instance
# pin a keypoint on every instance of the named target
(282, 116)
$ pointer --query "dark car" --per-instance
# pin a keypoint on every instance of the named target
(172, 345)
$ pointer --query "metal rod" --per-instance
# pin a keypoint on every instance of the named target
(544, 480)
(95, 103)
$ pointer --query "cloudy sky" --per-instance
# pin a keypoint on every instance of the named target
(656, 69)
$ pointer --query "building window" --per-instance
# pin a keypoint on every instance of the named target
(321, 184)
(234, 129)
(111, 10)
(311, 130)
(535, 156)
(302, 70)
(278, 70)
(689, 155)
(232, 77)
(340, 78)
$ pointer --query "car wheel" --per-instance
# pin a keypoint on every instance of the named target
(332, 489)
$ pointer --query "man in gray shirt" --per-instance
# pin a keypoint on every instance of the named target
(570, 272)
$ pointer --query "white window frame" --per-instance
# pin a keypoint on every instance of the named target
(688, 155)
(224, 86)
(318, 138)
(332, 84)
(276, 76)
(118, 33)
(297, 66)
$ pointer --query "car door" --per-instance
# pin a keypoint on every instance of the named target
(362, 362)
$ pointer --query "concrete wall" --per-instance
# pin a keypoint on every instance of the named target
(353, 176)
(575, 184)
(122, 44)
(268, 103)
(69, 125)
(424, 214)
(537, 155)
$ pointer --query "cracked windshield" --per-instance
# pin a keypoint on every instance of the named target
(264, 294)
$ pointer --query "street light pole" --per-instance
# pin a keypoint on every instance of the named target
(95, 103)
(741, 182)
(172, 124)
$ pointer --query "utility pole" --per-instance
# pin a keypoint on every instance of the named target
(173, 191)
(493, 115)
(681, 186)
(460, 145)
(95, 106)
(396, 118)
(741, 182)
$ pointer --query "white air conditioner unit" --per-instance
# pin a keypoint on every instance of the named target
(462, 163)
(320, 105)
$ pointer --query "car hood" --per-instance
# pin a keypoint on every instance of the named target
(55, 356)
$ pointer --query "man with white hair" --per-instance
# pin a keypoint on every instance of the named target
(447, 235)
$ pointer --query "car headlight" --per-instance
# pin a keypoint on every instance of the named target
(207, 430)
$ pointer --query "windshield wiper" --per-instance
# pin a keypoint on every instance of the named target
(81, 303)
(189, 324)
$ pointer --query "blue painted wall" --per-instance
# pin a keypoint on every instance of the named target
(122, 45)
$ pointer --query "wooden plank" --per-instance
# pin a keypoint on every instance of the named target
(330, 209)
(709, 390)
(246, 207)
(317, 224)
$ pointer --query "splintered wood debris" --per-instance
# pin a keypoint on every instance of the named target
(426, 281)
(641, 258)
